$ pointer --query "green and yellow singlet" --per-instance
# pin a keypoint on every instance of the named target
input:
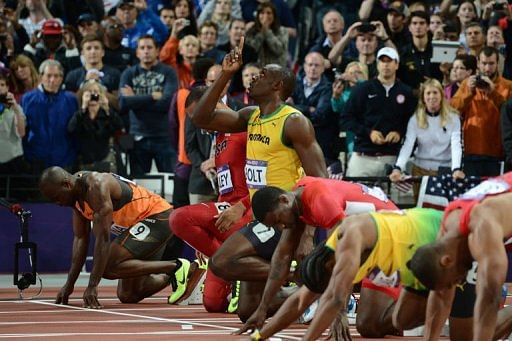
(270, 162)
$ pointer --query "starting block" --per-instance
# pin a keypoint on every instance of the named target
(196, 296)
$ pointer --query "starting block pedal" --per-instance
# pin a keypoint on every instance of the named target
(196, 296)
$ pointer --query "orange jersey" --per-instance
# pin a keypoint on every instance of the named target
(143, 204)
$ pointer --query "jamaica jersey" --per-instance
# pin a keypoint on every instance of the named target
(269, 160)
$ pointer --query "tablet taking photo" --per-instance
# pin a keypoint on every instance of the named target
(444, 51)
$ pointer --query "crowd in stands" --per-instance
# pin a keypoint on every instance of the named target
(83, 81)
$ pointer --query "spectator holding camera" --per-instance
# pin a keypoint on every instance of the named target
(94, 126)
(12, 130)
(92, 52)
(433, 133)
(366, 36)
(479, 99)
(48, 109)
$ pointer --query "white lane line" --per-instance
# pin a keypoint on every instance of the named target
(188, 332)
(177, 321)
(113, 309)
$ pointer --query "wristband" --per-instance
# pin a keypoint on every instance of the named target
(256, 336)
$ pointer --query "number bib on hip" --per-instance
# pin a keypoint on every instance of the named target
(256, 173)
(224, 179)
(140, 231)
(222, 206)
(488, 187)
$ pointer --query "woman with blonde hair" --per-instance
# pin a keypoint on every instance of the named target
(23, 77)
(435, 129)
(94, 126)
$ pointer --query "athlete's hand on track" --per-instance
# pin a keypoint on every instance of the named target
(91, 298)
(340, 328)
(63, 295)
(254, 322)
(228, 217)
(233, 60)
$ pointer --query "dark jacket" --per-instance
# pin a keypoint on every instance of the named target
(323, 118)
(370, 108)
(198, 144)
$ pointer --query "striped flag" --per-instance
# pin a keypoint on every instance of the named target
(437, 191)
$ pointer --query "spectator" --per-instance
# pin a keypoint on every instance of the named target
(494, 38)
(208, 41)
(214, 73)
(466, 14)
(366, 40)
(184, 9)
(249, 71)
(433, 133)
(70, 37)
(48, 109)
(116, 54)
(355, 72)
(475, 38)
(146, 91)
(416, 55)
(377, 113)
(396, 19)
(52, 46)
(93, 68)
(12, 130)
(37, 14)
(177, 117)
(267, 36)
(88, 26)
(18, 33)
(138, 21)
(250, 12)
(94, 126)
(463, 66)
(479, 99)
(249, 55)
(312, 97)
(181, 54)
(221, 13)
(333, 25)
(23, 76)
(167, 16)
(436, 24)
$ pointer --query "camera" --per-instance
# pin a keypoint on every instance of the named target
(366, 28)
(480, 83)
(3, 98)
(95, 97)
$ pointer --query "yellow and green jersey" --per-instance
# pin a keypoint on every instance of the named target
(270, 162)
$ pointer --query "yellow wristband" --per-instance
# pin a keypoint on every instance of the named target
(256, 336)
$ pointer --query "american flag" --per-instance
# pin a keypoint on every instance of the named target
(437, 191)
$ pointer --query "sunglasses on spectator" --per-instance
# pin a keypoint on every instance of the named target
(113, 26)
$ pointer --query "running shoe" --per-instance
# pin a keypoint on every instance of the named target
(179, 280)
(186, 280)
(235, 293)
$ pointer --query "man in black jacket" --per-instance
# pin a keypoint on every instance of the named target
(377, 113)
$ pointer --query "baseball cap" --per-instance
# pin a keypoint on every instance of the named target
(399, 7)
(86, 17)
(51, 27)
(388, 52)
(125, 3)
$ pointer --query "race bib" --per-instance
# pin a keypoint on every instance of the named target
(488, 187)
(256, 173)
(375, 192)
(263, 232)
(140, 231)
(222, 206)
(224, 179)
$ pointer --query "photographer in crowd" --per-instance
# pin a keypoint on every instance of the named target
(12, 130)
(94, 126)
(478, 100)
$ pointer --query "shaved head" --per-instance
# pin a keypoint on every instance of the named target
(53, 176)
(56, 184)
